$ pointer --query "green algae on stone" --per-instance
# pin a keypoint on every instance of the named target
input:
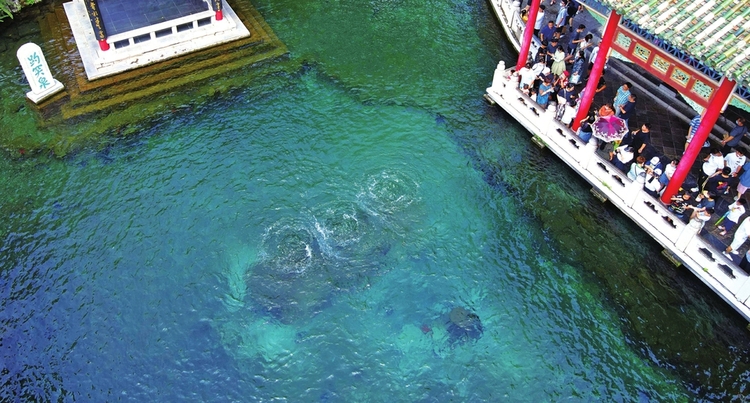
(88, 113)
(670, 320)
(393, 42)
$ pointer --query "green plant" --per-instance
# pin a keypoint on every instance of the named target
(5, 10)
(8, 7)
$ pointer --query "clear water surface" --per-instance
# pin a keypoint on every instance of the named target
(306, 239)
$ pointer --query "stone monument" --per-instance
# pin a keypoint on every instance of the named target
(35, 67)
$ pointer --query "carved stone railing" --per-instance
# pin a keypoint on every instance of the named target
(680, 239)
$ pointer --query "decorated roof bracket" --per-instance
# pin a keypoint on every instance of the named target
(663, 65)
(711, 36)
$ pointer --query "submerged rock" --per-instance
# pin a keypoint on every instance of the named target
(463, 326)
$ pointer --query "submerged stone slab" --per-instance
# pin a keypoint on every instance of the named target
(144, 46)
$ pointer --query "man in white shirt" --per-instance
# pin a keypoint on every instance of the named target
(594, 52)
(539, 20)
(713, 163)
(740, 236)
(735, 160)
(527, 76)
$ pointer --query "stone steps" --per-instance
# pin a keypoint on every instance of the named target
(84, 98)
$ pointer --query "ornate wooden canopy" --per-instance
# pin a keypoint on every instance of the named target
(716, 32)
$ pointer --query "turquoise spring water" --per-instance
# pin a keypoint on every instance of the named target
(306, 238)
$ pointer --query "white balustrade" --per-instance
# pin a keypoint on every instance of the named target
(678, 237)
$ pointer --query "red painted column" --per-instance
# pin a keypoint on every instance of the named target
(715, 106)
(596, 72)
(528, 34)
(218, 9)
(97, 24)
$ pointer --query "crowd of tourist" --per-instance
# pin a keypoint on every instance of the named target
(714, 192)
(716, 189)
(555, 75)
(562, 62)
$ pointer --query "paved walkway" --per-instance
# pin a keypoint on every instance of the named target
(668, 114)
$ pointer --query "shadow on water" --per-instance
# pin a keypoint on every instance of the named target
(672, 318)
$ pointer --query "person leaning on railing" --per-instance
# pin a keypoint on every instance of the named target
(637, 171)
(526, 75)
(702, 216)
(653, 186)
(679, 203)
(669, 170)
(585, 130)
(542, 96)
(570, 111)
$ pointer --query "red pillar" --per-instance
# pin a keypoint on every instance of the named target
(596, 72)
(528, 34)
(715, 105)
(97, 23)
(218, 8)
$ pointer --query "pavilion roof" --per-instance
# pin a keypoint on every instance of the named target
(716, 32)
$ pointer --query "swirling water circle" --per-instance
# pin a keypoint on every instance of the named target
(339, 226)
(289, 245)
(388, 192)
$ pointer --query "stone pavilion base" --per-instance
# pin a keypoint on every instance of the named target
(143, 46)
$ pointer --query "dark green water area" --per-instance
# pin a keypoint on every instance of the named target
(348, 223)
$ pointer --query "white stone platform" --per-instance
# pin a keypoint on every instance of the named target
(140, 47)
(680, 239)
